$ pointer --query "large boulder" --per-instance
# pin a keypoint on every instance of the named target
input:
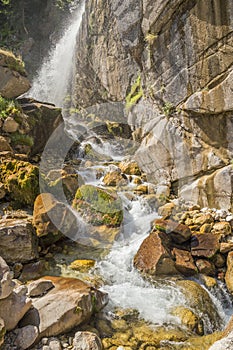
(14, 307)
(154, 256)
(18, 241)
(70, 303)
(13, 81)
(201, 303)
(42, 119)
(98, 206)
(21, 180)
(53, 219)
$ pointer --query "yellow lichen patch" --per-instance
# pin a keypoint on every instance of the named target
(82, 265)
(21, 180)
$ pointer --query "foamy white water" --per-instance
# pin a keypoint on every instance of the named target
(125, 286)
(52, 80)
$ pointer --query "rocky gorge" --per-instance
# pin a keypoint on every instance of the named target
(116, 213)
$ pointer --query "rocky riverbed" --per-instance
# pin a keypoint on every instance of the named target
(53, 273)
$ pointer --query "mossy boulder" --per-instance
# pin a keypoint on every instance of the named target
(98, 206)
(189, 319)
(21, 180)
(199, 300)
(13, 81)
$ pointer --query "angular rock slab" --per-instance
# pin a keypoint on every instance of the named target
(68, 304)
(14, 307)
(12, 84)
(18, 242)
(204, 245)
(6, 283)
(154, 257)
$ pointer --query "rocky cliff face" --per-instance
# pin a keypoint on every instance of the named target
(170, 64)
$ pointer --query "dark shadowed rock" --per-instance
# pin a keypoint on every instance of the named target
(18, 241)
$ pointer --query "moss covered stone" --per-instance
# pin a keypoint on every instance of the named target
(21, 180)
(98, 206)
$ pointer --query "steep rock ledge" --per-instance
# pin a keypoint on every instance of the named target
(171, 62)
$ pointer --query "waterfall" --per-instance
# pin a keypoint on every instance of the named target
(52, 80)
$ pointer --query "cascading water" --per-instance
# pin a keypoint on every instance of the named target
(125, 286)
(52, 81)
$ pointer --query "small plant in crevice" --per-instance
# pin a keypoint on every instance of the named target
(150, 38)
(135, 93)
(168, 108)
(21, 139)
(8, 108)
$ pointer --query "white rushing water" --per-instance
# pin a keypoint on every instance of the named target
(52, 80)
(125, 286)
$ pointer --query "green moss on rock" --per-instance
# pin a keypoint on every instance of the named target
(21, 180)
(98, 206)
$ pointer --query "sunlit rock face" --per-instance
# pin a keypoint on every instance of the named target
(171, 62)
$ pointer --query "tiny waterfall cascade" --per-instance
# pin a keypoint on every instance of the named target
(52, 81)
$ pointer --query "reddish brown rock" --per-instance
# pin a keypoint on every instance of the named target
(206, 267)
(178, 232)
(154, 257)
(204, 245)
(184, 262)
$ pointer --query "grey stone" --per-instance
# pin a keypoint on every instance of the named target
(86, 341)
(25, 337)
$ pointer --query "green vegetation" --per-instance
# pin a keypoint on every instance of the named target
(150, 38)
(21, 180)
(135, 94)
(13, 62)
(168, 108)
(98, 206)
(8, 108)
(21, 139)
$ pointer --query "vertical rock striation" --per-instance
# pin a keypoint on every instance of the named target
(170, 63)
